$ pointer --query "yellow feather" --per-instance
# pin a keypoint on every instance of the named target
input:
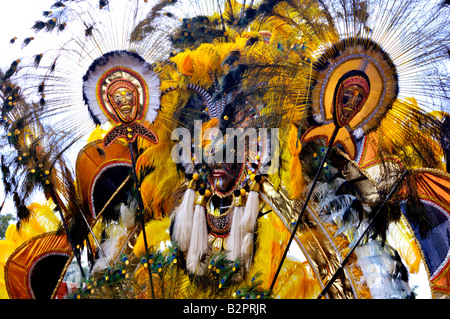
(400, 238)
(156, 231)
(295, 279)
(97, 134)
(158, 186)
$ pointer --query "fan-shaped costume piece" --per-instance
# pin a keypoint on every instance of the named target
(39, 263)
(37, 256)
(104, 176)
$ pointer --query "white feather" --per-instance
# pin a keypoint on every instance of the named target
(247, 250)
(378, 268)
(236, 234)
(318, 118)
(117, 233)
(247, 225)
(199, 241)
(184, 215)
(251, 212)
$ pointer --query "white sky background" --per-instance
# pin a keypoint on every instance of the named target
(18, 17)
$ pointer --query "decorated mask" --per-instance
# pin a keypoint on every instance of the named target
(351, 93)
(120, 87)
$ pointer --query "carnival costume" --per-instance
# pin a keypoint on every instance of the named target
(354, 93)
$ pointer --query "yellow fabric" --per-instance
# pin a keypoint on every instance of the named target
(297, 183)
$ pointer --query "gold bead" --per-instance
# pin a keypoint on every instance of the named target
(196, 177)
(243, 192)
(257, 157)
(47, 172)
(252, 177)
(225, 117)
(33, 171)
(207, 193)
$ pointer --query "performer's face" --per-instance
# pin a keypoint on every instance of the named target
(123, 101)
(224, 176)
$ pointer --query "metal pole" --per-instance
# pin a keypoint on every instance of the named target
(141, 215)
(344, 262)
(305, 204)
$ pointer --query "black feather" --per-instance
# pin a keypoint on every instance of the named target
(251, 41)
(37, 59)
(233, 78)
(38, 26)
(27, 41)
(62, 26)
(58, 4)
(100, 151)
(23, 213)
(50, 24)
(231, 58)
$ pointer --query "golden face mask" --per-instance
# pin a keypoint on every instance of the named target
(122, 95)
(351, 93)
